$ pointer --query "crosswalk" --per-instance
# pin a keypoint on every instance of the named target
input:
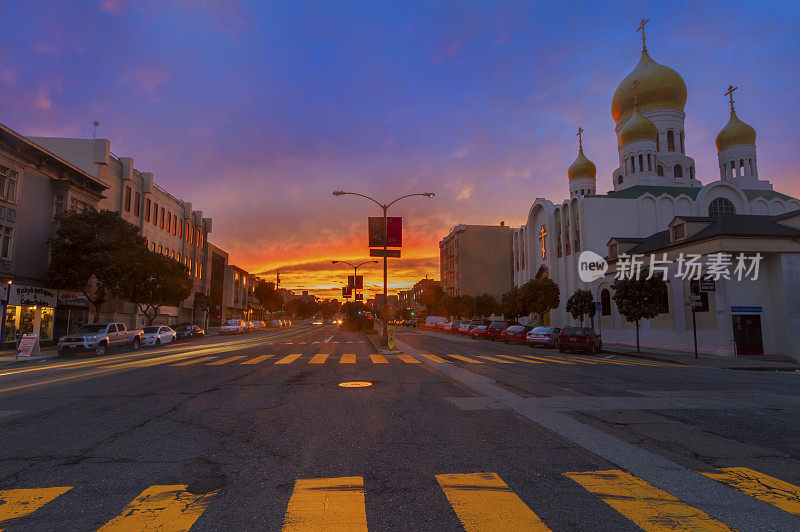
(480, 501)
(320, 359)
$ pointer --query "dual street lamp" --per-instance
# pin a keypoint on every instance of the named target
(385, 207)
(355, 271)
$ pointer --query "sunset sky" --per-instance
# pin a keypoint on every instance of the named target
(256, 110)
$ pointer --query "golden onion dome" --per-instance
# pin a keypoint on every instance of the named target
(659, 86)
(581, 167)
(735, 133)
(637, 128)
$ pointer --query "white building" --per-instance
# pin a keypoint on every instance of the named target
(654, 183)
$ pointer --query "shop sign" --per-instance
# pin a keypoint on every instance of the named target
(28, 346)
(72, 299)
(32, 296)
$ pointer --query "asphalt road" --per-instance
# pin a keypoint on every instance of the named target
(255, 433)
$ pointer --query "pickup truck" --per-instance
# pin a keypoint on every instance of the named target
(99, 337)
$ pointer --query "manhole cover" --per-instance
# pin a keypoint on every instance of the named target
(355, 384)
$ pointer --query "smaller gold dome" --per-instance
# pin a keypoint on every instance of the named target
(637, 128)
(735, 133)
(581, 167)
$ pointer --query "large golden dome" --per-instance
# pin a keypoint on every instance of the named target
(581, 167)
(660, 87)
(735, 133)
(637, 128)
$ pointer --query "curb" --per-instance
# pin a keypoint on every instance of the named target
(374, 341)
(24, 362)
(682, 363)
(645, 357)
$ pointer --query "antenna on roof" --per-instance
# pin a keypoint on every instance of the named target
(94, 129)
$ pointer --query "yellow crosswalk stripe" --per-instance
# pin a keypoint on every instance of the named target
(483, 502)
(288, 359)
(378, 359)
(654, 510)
(581, 360)
(322, 504)
(466, 359)
(434, 358)
(408, 359)
(225, 360)
(548, 359)
(21, 502)
(347, 359)
(257, 360)
(521, 359)
(319, 358)
(195, 361)
(763, 487)
(161, 508)
(493, 359)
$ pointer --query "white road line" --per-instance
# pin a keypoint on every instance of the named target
(329, 339)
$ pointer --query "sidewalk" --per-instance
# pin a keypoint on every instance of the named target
(8, 357)
(751, 363)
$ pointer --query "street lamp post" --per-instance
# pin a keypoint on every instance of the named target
(385, 207)
(355, 272)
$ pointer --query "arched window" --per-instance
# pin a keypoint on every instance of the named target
(733, 169)
(691, 172)
(670, 141)
(633, 165)
(682, 149)
(582, 194)
(750, 162)
(649, 163)
(741, 166)
(721, 206)
(660, 170)
(605, 302)
(677, 171)
(641, 162)
(658, 142)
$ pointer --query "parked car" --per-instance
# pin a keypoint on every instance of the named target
(479, 331)
(579, 339)
(158, 335)
(515, 334)
(232, 327)
(464, 327)
(477, 323)
(546, 336)
(99, 337)
(259, 325)
(497, 327)
(454, 325)
(317, 321)
(187, 331)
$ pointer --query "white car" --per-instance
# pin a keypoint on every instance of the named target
(158, 335)
(317, 322)
(232, 327)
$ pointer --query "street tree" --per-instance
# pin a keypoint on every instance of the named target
(201, 302)
(513, 304)
(540, 296)
(485, 305)
(580, 304)
(92, 251)
(270, 299)
(639, 298)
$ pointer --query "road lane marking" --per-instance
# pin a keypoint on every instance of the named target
(521, 359)
(195, 361)
(161, 508)
(288, 359)
(256, 360)
(545, 359)
(483, 502)
(347, 359)
(408, 359)
(763, 487)
(326, 504)
(319, 358)
(435, 359)
(329, 339)
(493, 359)
(653, 509)
(378, 359)
(18, 503)
(466, 359)
(225, 360)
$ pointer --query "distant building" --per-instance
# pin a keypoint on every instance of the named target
(410, 299)
(477, 259)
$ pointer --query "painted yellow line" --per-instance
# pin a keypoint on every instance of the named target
(548, 359)
(288, 359)
(483, 502)
(378, 359)
(322, 504)
(408, 359)
(347, 359)
(654, 510)
(21, 502)
(521, 359)
(466, 359)
(763, 487)
(195, 361)
(256, 360)
(619, 362)
(161, 508)
(582, 360)
(319, 358)
(435, 358)
(493, 359)
(225, 360)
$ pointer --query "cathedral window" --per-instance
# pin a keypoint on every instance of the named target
(677, 171)
(582, 194)
(670, 141)
(721, 206)
(750, 162)
(658, 143)
(649, 163)
(641, 162)
(605, 302)
(660, 170)
(619, 180)
(633, 165)
(682, 148)
(691, 172)
(741, 166)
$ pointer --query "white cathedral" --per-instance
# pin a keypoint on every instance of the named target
(658, 205)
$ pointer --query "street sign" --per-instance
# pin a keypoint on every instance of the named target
(392, 253)
(707, 284)
(356, 282)
(391, 336)
(377, 232)
(695, 304)
(597, 306)
(694, 297)
(359, 297)
(346, 292)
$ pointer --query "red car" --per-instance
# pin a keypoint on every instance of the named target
(579, 339)
(515, 333)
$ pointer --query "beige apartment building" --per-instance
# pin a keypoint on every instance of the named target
(477, 259)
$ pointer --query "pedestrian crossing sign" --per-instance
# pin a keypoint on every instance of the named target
(390, 335)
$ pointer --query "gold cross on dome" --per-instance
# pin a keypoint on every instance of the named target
(729, 93)
(641, 28)
(635, 93)
(580, 138)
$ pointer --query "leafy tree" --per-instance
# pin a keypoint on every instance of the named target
(639, 298)
(513, 304)
(485, 305)
(539, 296)
(329, 307)
(93, 251)
(201, 302)
(269, 298)
(402, 314)
(581, 304)
(464, 306)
